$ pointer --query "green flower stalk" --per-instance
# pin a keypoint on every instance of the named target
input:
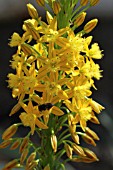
(55, 70)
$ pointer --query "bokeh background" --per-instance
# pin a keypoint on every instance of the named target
(12, 15)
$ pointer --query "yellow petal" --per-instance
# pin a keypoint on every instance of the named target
(57, 111)
(40, 124)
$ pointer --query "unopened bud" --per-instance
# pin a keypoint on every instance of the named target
(15, 145)
(15, 109)
(69, 150)
(32, 165)
(26, 49)
(80, 19)
(5, 143)
(94, 2)
(54, 142)
(9, 132)
(32, 11)
(83, 2)
(90, 154)
(75, 137)
(49, 17)
(11, 164)
(31, 157)
(96, 106)
(24, 144)
(90, 25)
(78, 149)
(91, 133)
(56, 7)
(24, 155)
(40, 2)
(30, 26)
(88, 139)
(94, 119)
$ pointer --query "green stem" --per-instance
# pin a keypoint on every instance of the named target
(75, 16)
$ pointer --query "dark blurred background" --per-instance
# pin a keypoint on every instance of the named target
(12, 15)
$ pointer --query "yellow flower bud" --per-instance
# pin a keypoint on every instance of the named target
(69, 150)
(26, 49)
(30, 26)
(24, 144)
(80, 19)
(90, 25)
(32, 165)
(78, 149)
(94, 119)
(15, 109)
(9, 132)
(31, 157)
(24, 155)
(96, 106)
(91, 133)
(5, 143)
(94, 2)
(88, 139)
(49, 17)
(11, 164)
(54, 142)
(75, 137)
(32, 11)
(40, 2)
(56, 7)
(83, 2)
(15, 145)
(90, 154)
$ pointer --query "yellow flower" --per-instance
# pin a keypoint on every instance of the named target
(53, 85)
(82, 110)
(79, 87)
(95, 52)
(30, 117)
(51, 34)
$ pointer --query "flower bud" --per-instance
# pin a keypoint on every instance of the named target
(80, 19)
(32, 11)
(40, 2)
(91, 133)
(15, 109)
(24, 155)
(96, 106)
(78, 149)
(30, 26)
(15, 145)
(24, 144)
(26, 49)
(94, 119)
(9, 132)
(56, 7)
(90, 154)
(32, 165)
(83, 2)
(69, 150)
(5, 143)
(94, 2)
(75, 137)
(31, 157)
(54, 142)
(88, 139)
(90, 25)
(11, 164)
(49, 17)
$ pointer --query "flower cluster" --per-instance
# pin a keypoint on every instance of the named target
(55, 70)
